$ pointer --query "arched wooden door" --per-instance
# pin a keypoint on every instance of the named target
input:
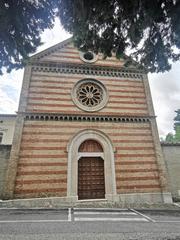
(91, 184)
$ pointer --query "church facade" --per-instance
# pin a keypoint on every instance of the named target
(85, 129)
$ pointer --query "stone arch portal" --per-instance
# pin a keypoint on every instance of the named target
(78, 150)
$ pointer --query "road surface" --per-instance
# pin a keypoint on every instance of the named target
(85, 223)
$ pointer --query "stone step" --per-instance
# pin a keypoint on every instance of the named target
(60, 202)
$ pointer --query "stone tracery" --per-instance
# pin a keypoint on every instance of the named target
(89, 94)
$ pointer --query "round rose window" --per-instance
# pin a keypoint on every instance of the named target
(89, 95)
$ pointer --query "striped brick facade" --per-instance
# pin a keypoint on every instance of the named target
(49, 119)
(51, 93)
(42, 168)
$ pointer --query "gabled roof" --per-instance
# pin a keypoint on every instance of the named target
(4, 115)
(51, 49)
(43, 55)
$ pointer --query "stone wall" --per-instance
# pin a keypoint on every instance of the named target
(7, 124)
(171, 155)
(42, 166)
(4, 156)
(50, 92)
(172, 159)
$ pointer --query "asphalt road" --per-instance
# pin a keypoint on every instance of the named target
(116, 224)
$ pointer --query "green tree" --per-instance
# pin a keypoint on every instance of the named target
(169, 138)
(146, 31)
(174, 138)
(149, 31)
(21, 23)
(177, 126)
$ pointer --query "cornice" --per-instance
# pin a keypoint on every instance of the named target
(84, 118)
(170, 144)
(88, 70)
(8, 115)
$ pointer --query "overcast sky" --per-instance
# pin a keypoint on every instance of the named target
(165, 88)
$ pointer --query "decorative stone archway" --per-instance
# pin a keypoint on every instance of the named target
(108, 156)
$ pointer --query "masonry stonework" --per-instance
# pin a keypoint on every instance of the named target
(4, 157)
(50, 129)
(171, 152)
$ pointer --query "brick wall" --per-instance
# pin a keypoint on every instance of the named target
(51, 93)
(4, 156)
(42, 168)
(69, 54)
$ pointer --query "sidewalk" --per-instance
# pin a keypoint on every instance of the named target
(58, 203)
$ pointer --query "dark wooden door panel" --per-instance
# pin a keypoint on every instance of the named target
(91, 178)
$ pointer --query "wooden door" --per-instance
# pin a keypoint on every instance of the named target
(91, 178)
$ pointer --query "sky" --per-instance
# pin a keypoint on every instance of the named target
(165, 87)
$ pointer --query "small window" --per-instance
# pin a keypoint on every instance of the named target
(1, 137)
(88, 57)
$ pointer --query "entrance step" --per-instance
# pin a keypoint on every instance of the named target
(53, 202)
(93, 203)
(56, 202)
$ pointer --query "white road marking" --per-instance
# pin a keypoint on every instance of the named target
(110, 219)
(69, 215)
(112, 209)
(104, 213)
(159, 221)
(143, 215)
(3, 208)
(39, 221)
(32, 221)
(112, 215)
(176, 204)
(35, 208)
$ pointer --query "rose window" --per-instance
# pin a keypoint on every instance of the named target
(89, 94)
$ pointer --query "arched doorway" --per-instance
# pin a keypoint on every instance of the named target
(75, 153)
(91, 183)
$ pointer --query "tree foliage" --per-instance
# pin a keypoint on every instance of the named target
(146, 31)
(169, 138)
(21, 23)
(174, 138)
(177, 126)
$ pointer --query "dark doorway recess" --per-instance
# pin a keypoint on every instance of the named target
(91, 183)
